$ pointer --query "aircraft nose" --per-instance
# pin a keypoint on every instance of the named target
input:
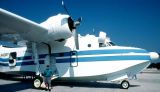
(154, 55)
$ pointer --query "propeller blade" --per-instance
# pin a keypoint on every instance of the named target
(77, 23)
(62, 3)
(73, 25)
(79, 19)
(75, 35)
(65, 7)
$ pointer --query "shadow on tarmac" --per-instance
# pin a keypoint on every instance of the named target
(151, 71)
(89, 84)
(17, 83)
(13, 87)
(21, 84)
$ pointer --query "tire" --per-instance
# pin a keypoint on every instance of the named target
(158, 66)
(37, 82)
(125, 84)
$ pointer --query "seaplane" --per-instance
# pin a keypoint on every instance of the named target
(56, 42)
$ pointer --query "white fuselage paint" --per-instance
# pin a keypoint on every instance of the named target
(89, 63)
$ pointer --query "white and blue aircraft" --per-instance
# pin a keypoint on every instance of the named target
(75, 57)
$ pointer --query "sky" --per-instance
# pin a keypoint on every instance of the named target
(133, 23)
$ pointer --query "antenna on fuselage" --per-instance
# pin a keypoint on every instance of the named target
(75, 24)
(93, 31)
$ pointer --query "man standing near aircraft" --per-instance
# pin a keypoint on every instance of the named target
(47, 77)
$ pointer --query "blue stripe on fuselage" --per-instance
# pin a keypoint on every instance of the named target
(3, 64)
(96, 52)
(87, 52)
(28, 63)
(111, 51)
(103, 58)
(23, 63)
(113, 58)
(4, 59)
(85, 59)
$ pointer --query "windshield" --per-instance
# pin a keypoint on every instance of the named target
(112, 44)
(107, 44)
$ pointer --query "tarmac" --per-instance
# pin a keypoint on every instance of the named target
(148, 81)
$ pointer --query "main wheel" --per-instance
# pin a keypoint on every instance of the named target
(125, 84)
(37, 82)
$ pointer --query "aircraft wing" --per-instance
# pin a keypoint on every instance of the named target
(13, 24)
(55, 28)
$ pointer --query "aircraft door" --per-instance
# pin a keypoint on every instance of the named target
(12, 59)
(74, 59)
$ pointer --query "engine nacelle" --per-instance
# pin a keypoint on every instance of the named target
(59, 27)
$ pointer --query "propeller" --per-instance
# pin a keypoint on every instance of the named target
(65, 7)
(73, 25)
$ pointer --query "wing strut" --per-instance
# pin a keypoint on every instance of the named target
(49, 52)
(35, 56)
(52, 61)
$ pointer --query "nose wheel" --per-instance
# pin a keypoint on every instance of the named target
(125, 84)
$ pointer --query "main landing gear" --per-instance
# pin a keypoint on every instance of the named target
(38, 80)
(125, 84)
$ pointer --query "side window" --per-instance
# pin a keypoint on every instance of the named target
(102, 45)
(12, 59)
(89, 45)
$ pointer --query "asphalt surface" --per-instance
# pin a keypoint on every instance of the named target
(148, 81)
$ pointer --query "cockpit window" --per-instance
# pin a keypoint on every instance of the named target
(112, 44)
(102, 45)
(106, 44)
